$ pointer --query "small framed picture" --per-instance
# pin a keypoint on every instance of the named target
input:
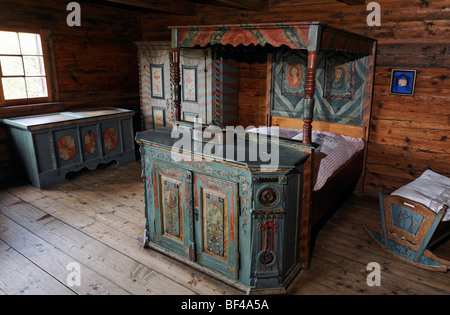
(157, 84)
(402, 82)
(159, 117)
(189, 84)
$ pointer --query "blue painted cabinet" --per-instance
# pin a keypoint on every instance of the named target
(230, 218)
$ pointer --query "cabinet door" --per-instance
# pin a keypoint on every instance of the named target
(216, 228)
(173, 208)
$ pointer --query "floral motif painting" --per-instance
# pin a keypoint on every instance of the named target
(67, 148)
(110, 138)
(159, 117)
(190, 84)
(171, 211)
(214, 224)
(157, 81)
(89, 142)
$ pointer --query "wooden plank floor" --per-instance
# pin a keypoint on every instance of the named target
(96, 220)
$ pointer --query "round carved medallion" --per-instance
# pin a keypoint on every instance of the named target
(266, 258)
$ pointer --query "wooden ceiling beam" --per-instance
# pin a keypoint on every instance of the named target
(353, 2)
(179, 7)
(251, 5)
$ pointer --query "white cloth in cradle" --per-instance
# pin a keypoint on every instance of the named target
(431, 190)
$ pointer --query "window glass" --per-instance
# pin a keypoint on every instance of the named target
(14, 88)
(9, 43)
(11, 66)
(30, 44)
(22, 67)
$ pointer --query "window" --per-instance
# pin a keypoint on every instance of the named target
(23, 71)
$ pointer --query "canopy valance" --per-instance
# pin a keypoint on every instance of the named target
(294, 36)
(299, 35)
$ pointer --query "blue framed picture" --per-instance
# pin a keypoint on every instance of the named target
(402, 82)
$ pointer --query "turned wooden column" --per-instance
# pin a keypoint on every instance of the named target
(310, 86)
(176, 84)
(314, 36)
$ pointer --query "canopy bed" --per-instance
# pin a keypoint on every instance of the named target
(233, 219)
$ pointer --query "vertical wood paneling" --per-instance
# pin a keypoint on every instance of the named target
(408, 134)
(252, 94)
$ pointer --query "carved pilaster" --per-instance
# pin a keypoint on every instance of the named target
(310, 86)
(176, 84)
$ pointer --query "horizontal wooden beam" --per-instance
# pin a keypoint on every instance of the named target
(179, 7)
(353, 2)
(251, 5)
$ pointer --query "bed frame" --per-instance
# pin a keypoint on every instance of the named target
(315, 42)
(320, 204)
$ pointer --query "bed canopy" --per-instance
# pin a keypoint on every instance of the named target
(310, 36)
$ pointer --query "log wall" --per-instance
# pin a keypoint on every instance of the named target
(408, 133)
(96, 63)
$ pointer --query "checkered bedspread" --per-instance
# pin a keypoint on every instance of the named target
(334, 150)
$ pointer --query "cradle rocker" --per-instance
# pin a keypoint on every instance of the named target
(409, 228)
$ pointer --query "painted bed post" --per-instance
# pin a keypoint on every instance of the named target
(310, 82)
(176, 76)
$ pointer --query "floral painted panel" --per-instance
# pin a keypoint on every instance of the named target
(67, 148)
(171, 209)
(111, 138)
(89, 142)
(214, 225)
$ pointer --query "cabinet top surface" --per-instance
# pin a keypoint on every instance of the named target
(252, 151)
(56, 119)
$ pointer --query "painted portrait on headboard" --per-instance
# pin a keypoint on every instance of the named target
(288, 82)
(339, 79)
(294, 73)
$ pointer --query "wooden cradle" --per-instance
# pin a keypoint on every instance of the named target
(317, 49)
(410, 229)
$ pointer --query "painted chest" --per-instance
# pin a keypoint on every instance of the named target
(47, 147)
